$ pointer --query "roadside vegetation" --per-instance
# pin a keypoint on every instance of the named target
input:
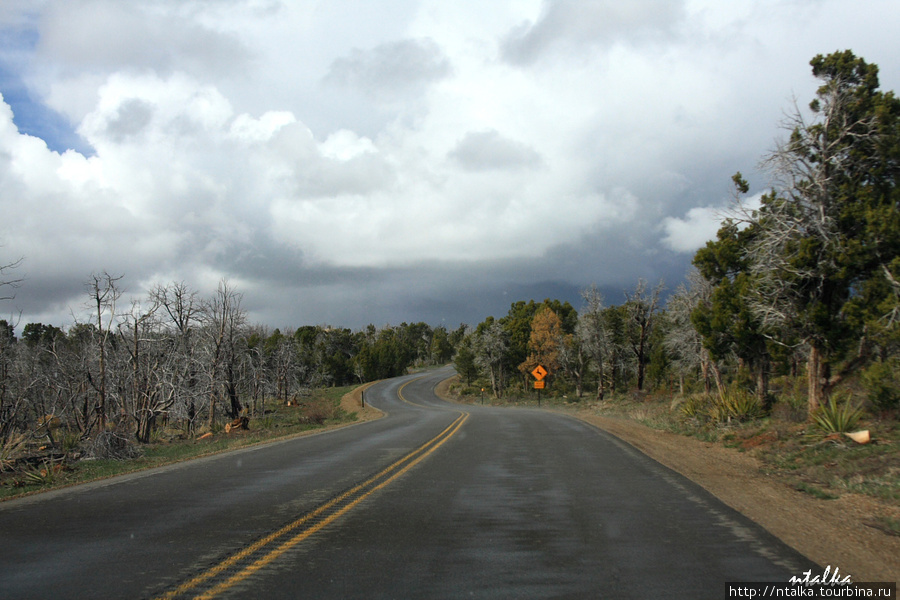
(28, 465)
(173, 376)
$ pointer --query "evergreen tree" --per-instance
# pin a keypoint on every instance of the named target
(464, 361)
(726, 321)
(829, 233)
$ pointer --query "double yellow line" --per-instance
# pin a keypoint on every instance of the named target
(241, 565)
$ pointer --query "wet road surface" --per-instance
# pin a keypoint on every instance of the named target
(433, 501)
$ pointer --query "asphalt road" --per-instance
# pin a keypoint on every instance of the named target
(433, 501)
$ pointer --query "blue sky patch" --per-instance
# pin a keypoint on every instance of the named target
(34, 118)
(30, 115)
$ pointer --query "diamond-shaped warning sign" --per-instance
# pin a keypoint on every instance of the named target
(539, 372)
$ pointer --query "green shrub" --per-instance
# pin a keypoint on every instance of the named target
(882, 383)
(267, 420)
(71, 441)
(814, 491)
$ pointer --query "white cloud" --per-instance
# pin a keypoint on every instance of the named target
(249, 129)
(693, 231)
(577, 24)
(701, 224)
(392, 70)
(84, 35)
(345, 145)
(488, 150)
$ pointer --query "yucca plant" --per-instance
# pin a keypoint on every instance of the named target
(44, 474)
(694, 406)
(737, 405)
(717, 410)
(837, 418)
(743, 406)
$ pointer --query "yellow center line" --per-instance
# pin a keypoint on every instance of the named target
(404, 464)
(284, 547)
(400, 392)
(403, 398)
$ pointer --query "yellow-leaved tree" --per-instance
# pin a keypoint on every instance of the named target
(543, 343)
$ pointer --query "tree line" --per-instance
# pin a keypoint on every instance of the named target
(175, 358)
(807, 281)
(604, 348)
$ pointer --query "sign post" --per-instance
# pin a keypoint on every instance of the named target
(539, 373)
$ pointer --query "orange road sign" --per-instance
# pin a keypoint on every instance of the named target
(539, 372)
(539, 385)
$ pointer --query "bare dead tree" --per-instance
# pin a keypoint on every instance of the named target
(642, 306)
(223, 319)
(11, 398)
(7, 409)
(103, 292)
(149, 350)
(254, 370)
(181, 309)
(284, 363)
(573, 359)
(683, 341)
(594, 335)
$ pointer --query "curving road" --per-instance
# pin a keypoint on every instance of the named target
(433, 501)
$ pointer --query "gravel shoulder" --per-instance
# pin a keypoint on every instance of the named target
(832, 533)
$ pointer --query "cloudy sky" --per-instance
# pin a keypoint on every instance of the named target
(348, 162)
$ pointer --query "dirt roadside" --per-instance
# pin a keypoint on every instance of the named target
(353, 403)
(830, 532)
